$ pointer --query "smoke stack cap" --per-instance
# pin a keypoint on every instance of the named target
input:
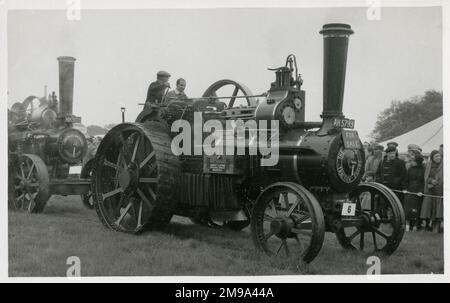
(336, 29)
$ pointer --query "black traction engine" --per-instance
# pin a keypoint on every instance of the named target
(143, 174)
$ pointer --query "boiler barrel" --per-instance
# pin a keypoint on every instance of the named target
(335, 61)
(66, 81)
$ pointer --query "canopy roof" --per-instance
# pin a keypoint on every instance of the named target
(428, 136)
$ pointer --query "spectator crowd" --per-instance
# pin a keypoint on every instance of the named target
(418, 183)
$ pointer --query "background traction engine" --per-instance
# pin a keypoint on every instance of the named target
(139, 183)
(43, 146)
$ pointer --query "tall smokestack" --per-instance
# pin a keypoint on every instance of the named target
(66, 76)
(334, 64)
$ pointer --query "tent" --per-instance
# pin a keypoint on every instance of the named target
(428, 136)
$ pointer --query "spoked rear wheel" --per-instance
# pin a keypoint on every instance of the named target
(379, 222)
(30, 184)
(134, 176)
(288, 222)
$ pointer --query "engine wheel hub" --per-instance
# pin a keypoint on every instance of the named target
(281, 227)
(129, 177)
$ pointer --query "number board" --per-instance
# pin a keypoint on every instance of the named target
(344, 123)
(72, 119)
(351, 139)
(348, 209)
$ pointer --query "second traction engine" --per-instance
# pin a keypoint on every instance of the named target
(140, 180)
(44, 146)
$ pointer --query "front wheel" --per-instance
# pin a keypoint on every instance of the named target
(29, 184)
(287, 221)
(379, 221)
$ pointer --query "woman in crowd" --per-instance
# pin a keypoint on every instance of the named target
(372, 162)
(432, 207)
(414, 183)
(373, 158)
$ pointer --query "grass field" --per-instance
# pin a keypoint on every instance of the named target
(39, 245)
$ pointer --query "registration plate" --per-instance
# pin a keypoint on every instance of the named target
(72, 119)
(75, 170)
(344, 123)
(348, 209)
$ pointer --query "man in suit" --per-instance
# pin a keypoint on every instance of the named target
(157, 89)
(392, 172)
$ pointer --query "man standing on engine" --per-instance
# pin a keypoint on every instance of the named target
(157, 90)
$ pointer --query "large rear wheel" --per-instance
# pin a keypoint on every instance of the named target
(134, 177)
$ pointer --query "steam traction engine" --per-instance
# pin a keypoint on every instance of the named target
(43, 147)
(139, 183)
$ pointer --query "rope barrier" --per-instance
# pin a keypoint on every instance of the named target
(417, 194)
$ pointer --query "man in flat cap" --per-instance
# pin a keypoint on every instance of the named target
(392, 144)
(392, 171)
(157, 89)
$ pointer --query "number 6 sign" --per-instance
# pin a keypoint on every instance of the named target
(348, 209)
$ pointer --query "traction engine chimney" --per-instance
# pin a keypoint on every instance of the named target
(334, 65)
(66, 80)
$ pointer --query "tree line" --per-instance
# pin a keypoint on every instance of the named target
(403, 116)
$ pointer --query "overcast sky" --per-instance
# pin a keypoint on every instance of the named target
(119, 52)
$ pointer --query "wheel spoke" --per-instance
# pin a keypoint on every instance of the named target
(31, 204)
(374, 237)
(20, 197)
(279, 248)
(379, 232)
(116, 175)
(119, 220)
(293, 207)
(148, 180)
(31, 171)
(112, 193)
(133, 156)
(235, 93)
(352, 236)
(302, 219)
(152, 193)
(284, 197)
(112, 165)
(148, 158)
(139, 221)
(22, 172)
(305, 232)
(125, 152)
(304, 225)
(145, 199)
(274, 209)
(299, 242)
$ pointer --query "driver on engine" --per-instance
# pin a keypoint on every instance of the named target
(157, 90)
